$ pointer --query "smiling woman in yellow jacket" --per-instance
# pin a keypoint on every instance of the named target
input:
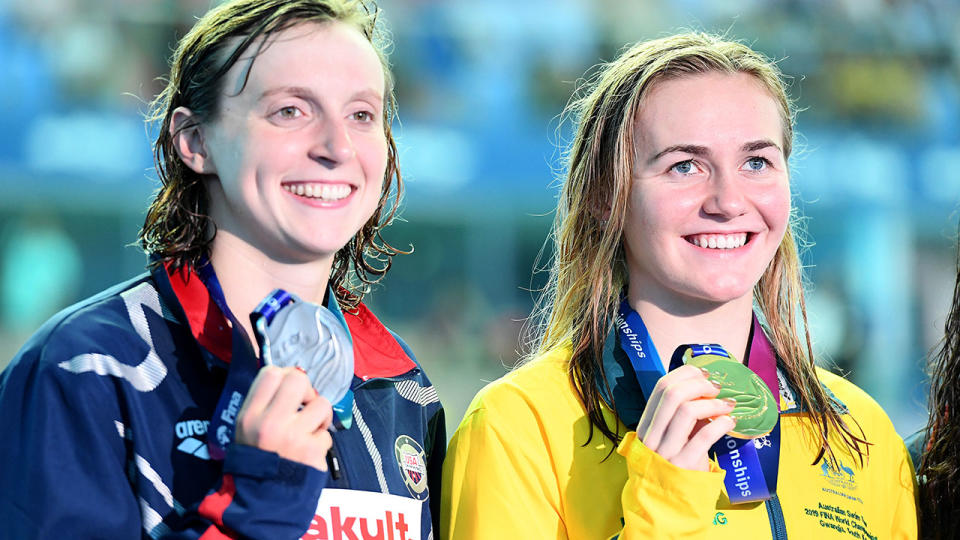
(673, 230)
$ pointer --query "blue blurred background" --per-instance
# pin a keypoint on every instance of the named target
(481, 84)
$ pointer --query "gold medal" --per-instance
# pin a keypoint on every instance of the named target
(756, 410)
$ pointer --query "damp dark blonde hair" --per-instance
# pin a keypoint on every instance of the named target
(178, 229)
(588, 270)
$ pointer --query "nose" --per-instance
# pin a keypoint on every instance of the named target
(333, 145)
(725, 197)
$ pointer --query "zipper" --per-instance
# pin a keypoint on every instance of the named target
(335, 465)
(408, 375)
(775, 513)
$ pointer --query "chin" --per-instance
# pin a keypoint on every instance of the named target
(724, 295)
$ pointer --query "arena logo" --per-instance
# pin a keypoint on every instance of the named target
(192, 437)
(363, 515)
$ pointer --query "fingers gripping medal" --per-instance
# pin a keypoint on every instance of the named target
(294, 333)
(755, 411)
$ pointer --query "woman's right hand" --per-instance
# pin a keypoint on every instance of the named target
(682, 419)
(284, 414)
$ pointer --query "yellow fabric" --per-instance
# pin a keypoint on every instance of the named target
(517, 467)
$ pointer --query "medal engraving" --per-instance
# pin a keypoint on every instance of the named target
(310, 337)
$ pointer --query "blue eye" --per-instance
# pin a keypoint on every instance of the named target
(684, 167)
(756, 164)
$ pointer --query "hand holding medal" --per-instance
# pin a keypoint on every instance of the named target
(293, 333)
(285, 415)
(683, 417)
(691, 409)
(755, 410)
(308, 364)
(751, 475)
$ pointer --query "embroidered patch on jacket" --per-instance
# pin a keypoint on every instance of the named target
(413, 465)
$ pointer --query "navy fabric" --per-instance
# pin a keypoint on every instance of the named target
(104, 414)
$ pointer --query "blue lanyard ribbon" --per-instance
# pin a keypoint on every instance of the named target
(244, 366)
(751, 465)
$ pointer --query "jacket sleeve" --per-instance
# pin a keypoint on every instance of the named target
(69, 468)
(495, 489)
(436, 452)
(659, 493)
(904, 515)
(63, 463)
(260, 495)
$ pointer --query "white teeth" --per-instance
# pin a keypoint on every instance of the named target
(719, 241)
(324, 192)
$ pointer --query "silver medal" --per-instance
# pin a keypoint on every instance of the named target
(309, 336)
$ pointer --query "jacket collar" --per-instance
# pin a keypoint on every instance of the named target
(376, 352)
(624, 390)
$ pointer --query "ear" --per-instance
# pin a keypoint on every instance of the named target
(600, 210)
(188, 141)
(603, 212)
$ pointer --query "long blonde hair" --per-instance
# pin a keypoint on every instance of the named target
(588, 271)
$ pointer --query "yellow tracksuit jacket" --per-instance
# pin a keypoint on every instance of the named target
(517, 467)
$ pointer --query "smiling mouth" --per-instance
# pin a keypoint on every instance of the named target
(320, 192)
(719, 241)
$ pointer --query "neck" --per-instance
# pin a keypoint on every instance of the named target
(247, 276)
(727, 324)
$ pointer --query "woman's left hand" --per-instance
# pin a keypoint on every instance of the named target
(682, 419)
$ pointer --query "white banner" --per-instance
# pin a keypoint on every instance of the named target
(344, 514)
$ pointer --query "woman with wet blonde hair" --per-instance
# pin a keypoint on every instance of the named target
(674, 256)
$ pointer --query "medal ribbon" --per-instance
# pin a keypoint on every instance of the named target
(244, 366)
(751, 465)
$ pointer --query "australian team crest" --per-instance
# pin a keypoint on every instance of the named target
(413, 465)
(840, 476)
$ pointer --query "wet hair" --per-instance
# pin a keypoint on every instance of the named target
(939, 467)
(588, 270)
(178, 229)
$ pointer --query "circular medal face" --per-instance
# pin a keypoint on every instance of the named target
(309, 336)
(756, 410)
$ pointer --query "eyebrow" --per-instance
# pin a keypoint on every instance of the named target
(697, 150)
(367, 93)
(753, 146)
